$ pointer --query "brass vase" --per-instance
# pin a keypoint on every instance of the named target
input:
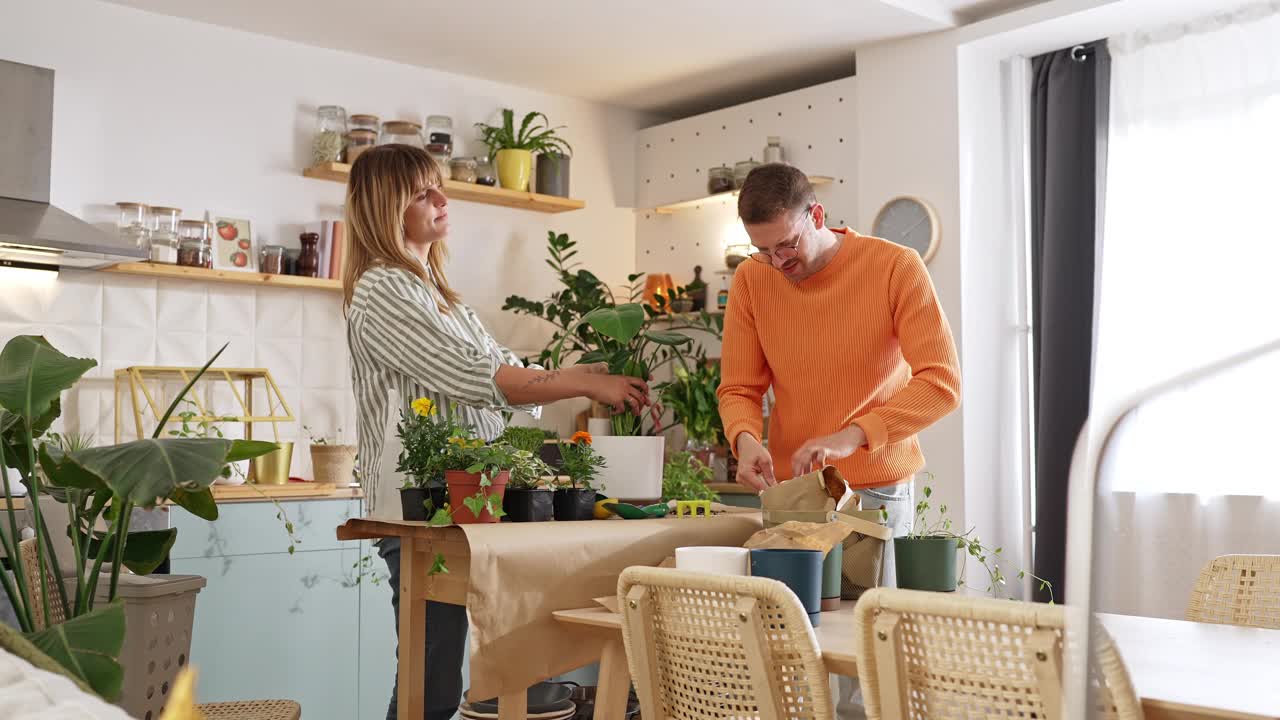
(273, 468)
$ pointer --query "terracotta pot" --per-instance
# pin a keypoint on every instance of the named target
(463, 485)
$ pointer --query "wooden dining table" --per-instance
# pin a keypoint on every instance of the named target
(1180, 670)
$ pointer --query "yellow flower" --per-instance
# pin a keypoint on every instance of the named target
(424, 407)
(458, 441)
(581, 437)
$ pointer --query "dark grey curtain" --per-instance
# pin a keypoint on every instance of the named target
(1068, 156)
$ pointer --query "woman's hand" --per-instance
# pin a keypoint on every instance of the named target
(619, 392)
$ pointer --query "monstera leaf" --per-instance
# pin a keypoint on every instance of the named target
(87, 646)
(622, 323)
(144, 471)
(33, 374)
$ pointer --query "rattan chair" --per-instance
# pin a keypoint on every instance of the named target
(705, 646)
(935, 656)
(240, 710)
(1238, 590)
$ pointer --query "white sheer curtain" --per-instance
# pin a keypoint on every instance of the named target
(1190, 273)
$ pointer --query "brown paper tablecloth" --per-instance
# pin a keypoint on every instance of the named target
(523, 572)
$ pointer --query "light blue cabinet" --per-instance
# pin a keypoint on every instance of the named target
(274, 625)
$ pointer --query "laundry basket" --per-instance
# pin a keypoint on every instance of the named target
(159, 612)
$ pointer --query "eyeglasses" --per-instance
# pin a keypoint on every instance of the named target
(783, 251)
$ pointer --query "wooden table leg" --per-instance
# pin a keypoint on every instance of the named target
(615, 681)
(412, 660)
(513, 706)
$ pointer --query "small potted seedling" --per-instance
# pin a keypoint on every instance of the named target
(580, 462)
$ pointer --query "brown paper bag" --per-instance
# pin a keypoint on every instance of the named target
(863, 551)
(800, 536)
(820, 490)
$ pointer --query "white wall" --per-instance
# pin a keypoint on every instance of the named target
(166, 111)
(817, 128)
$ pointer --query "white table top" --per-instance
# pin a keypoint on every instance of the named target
(1178, 668)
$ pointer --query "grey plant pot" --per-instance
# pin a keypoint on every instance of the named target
(553, 175)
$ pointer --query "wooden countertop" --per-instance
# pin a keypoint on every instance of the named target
(254, 493)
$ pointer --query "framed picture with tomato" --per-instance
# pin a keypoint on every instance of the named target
(233, 245)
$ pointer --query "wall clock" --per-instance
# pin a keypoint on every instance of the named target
(909, 221)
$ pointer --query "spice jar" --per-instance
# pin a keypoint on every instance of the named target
(402, 132)
(164, 234)
(134, 224)
(331, 134)
(309, 258)
(271, 260)
(439, 138)
(773, 150)
(358, 141)
(364, 122)
(485, 174)
(463, 169)
(719, 179)
(194, 246)
(741, 170)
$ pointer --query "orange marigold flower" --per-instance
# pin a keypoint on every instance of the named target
(581, 437)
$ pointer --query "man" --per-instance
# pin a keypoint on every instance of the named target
(847, 330)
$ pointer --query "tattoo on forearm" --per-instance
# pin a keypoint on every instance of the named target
(543, 378)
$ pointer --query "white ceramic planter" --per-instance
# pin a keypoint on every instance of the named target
(634, 466)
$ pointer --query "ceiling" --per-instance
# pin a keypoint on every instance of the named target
(673, 58)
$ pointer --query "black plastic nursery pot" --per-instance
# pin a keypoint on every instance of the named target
(574, 504)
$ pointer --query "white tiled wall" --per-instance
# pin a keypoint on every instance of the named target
(299, 335)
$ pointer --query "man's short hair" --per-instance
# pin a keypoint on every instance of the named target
(771, 190)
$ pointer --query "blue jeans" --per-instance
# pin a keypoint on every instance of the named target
(446, 643)
(899, 501)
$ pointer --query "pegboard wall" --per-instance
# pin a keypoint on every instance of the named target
(816, 126)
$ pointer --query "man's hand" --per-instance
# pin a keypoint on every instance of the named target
(819, 451)
(755, 467)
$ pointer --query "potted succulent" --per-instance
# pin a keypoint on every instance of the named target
(331, 461)
(582, 465)
(925, 559)
(512, 150)
(424, 432)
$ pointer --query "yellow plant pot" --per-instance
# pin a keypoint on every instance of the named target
(514, 169)
(273, 468)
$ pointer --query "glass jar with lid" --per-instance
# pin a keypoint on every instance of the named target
(134, 224)
(485, 174)
(331, 134)
(271, 259)
(358, 141)
(741, 170)
(463, 169)
(401, 132)
(364, 122)
(194, 246)
(164, 234)
(719, 179)
(439, 138)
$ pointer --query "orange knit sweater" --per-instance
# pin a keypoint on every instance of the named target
(862, 341)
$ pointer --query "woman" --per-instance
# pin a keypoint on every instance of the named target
(410, 336)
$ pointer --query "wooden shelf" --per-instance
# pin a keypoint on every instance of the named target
(182, 272)
(721, 197)
(470, 192)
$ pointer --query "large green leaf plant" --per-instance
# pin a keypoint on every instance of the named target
(96, 483)
(592, 325)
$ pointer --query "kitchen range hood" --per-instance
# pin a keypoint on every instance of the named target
(34, 233)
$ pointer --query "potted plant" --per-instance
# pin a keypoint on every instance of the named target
(424, 432)
(581, 463)
(476, 473)
(331, 461)
(513, 150)
(685, 477)
(691, 397)
(926, 558)
(528, 497)
(101, 485)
